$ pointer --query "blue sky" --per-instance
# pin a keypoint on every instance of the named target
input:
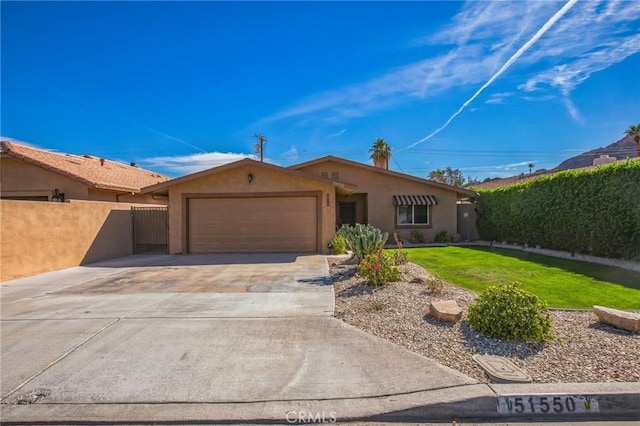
(486, 87)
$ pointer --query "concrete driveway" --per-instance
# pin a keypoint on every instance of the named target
(130, 338)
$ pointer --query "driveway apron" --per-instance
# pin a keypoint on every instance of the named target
(197, 329)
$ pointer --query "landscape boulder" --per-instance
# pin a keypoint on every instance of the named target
(629, 321)
(445, 310)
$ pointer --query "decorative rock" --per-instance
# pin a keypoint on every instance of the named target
(445, 310)
(629, 321)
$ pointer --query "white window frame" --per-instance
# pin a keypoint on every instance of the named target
(413, 216)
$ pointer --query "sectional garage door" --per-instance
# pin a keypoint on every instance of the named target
(252, 225)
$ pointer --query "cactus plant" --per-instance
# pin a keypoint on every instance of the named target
(363, 240)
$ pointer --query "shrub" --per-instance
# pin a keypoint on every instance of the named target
(592, 211)
(509, 312)
(400, 257)
(339, 244)
(442, 236)
(379, 268)
(435, 286)
(363, 240)
(456, 238)
(416, 237)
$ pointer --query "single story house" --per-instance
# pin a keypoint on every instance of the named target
(32, 174)
(251, 207)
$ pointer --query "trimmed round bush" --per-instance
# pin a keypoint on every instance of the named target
(511, 313)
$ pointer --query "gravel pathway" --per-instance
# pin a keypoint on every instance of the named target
(583, 350)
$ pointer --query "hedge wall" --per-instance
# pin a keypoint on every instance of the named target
(594, 211)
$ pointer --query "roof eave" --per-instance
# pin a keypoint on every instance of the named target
(163, 187)
(461, 193)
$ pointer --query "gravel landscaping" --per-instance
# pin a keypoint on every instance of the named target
(582, 350)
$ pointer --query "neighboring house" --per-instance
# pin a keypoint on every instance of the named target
(524, 177)
(28, 173)
(248, 206)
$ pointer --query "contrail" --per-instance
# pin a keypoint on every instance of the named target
(502, 69)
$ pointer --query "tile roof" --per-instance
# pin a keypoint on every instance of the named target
(512, 180)
(88, 170)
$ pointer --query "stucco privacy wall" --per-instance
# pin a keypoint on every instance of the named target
(234, 181)
(380, 188)
(37, 237)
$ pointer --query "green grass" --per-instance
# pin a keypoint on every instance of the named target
(562, 283)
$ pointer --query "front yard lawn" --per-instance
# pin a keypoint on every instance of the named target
(562, 283)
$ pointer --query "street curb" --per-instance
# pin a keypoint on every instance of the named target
(478, 402)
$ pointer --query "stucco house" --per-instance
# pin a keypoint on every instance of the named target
(32, 174)
(249, 206)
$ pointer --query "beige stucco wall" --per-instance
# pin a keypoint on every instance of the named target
(113, 196)
(234, 181)
(38, 237)
(380, 189)
(18, 178)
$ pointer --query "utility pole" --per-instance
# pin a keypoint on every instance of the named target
(259, 147)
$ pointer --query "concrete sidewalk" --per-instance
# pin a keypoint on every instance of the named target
(103, 344)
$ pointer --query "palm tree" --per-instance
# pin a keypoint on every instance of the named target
(634, 132)
(530, 165)
(380, 153)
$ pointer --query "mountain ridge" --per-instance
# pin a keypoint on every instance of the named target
(621, 149)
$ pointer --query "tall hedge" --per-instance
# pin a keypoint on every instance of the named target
(593, 211)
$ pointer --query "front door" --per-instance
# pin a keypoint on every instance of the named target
(347, 214)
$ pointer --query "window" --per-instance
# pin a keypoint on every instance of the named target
(413, 215)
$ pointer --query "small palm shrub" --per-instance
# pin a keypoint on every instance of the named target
(510, 313)
(339, 244)
(379, 268)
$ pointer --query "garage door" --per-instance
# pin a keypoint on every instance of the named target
(252, 225)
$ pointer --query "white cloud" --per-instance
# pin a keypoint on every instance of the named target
(186, 164)
(571, 108)
(482, 42)
(498, 98)
(521, 51)
(291, 154)
(538, 98)
(593, 37)
(499, 168)
(340, 133)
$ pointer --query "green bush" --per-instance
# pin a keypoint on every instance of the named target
(591, 211)
(416, 237)
(379, 268)
(339, 244)
(363, 240)
(435, 286)
(442, 237)
(400, 257)
(456, 238)
(509, 312)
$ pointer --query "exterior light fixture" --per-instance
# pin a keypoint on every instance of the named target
(250, 178)
(57, 197)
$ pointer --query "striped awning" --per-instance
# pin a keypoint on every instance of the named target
(414, 200)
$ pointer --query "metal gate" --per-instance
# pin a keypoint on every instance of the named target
(150, 229)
